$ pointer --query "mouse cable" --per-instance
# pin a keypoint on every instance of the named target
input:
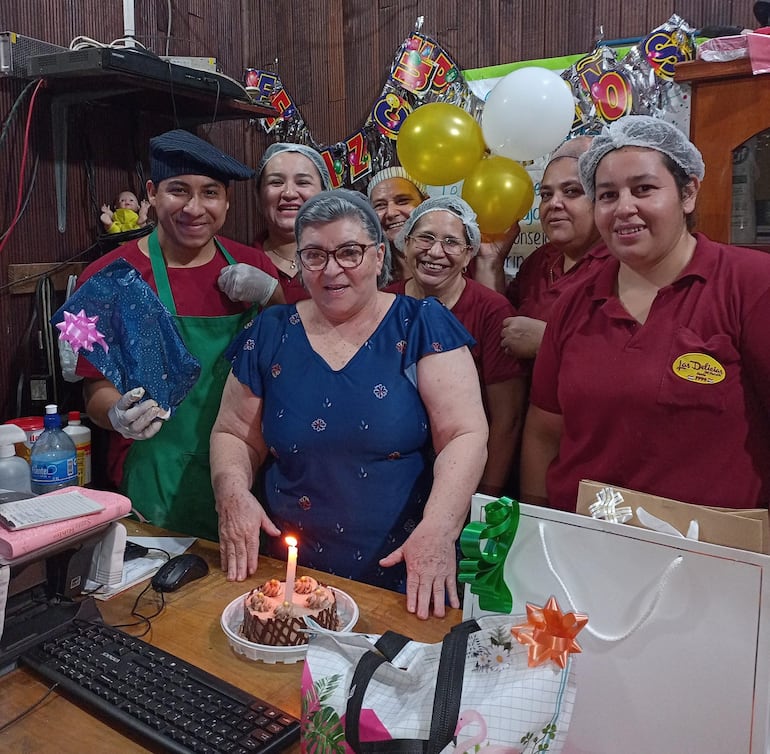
(145, 620)
(100, 589)
(29, 709)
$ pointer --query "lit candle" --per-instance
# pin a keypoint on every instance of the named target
(291, 569)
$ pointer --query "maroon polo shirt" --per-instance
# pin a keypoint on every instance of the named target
(481, 312)
(678, 406)
(541, 279)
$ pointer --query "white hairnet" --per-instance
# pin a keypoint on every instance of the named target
(572, 147)
(453, 204)
(395, 172)
(313, 155)
(640, 131)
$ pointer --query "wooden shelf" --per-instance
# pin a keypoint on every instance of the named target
(186, 107)
(700, 70)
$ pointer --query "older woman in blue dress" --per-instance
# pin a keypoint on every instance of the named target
(363, 410)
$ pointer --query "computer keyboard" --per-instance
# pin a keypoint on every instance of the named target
(176, 705)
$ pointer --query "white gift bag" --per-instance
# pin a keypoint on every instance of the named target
(473, 692)
(676, 653)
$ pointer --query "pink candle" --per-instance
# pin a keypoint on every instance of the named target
(291, 569)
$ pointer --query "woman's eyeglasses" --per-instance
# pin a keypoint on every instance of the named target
(347, 256)
(426, 241)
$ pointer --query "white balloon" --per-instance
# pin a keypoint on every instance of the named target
(527, 114)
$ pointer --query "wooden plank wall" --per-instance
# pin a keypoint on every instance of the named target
(333, 56)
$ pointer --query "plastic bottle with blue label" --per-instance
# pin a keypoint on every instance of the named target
(54, 458)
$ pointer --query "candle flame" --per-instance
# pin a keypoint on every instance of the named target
(291, 541)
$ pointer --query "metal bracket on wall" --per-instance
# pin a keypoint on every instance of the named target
(60, 104)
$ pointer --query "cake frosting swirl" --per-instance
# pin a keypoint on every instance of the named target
(270, 617)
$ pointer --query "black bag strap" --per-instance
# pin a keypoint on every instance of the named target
(446, 700)
(449, 686)
(391, 643)
(362, 675)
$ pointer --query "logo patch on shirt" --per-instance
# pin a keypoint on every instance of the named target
(698, 367)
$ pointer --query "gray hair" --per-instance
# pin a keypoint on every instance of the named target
(640, 131)
(338, 204)
(312, 155)
(453, 204)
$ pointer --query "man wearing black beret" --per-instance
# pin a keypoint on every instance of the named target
(211, 285)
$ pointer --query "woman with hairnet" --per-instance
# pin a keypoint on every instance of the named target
(394, 194)
(655, 374)
(574, 248)
(287, 176)
(439, 239)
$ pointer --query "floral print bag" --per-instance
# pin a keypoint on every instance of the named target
(477, 691)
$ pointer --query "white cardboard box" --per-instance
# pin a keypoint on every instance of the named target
(693, 676)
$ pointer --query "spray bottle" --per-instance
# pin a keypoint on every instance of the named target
(14, 471)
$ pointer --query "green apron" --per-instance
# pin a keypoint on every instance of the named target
(168, 477)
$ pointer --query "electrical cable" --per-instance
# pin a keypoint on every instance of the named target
(43, 297)
(145, 620)
(171, 93)
(28, 195)
(29, 709)
(83, 43)
(88, 167)
(214, 114)
(26, 368)
(25, 152)
(168, 27)
(14, 109)
(52, 270)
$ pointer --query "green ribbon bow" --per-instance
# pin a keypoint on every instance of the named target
(483, 568)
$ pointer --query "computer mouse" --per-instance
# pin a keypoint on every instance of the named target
(179, 571)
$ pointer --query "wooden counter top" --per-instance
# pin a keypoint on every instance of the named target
(189, 628)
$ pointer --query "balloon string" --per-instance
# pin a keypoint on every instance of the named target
(643, 618)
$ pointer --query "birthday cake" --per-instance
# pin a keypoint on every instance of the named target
(270, 618)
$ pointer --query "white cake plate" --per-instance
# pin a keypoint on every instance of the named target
(232, 619)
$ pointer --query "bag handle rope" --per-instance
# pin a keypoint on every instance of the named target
(646, 614)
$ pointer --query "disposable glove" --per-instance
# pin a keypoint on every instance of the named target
(242, 282)
(135, 420)
(68, 360)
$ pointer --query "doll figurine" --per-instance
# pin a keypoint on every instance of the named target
(129, 214)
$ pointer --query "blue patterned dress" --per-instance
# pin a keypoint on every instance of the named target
(350, 465)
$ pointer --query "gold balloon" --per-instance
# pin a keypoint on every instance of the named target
(439, 143)
(500, 192)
